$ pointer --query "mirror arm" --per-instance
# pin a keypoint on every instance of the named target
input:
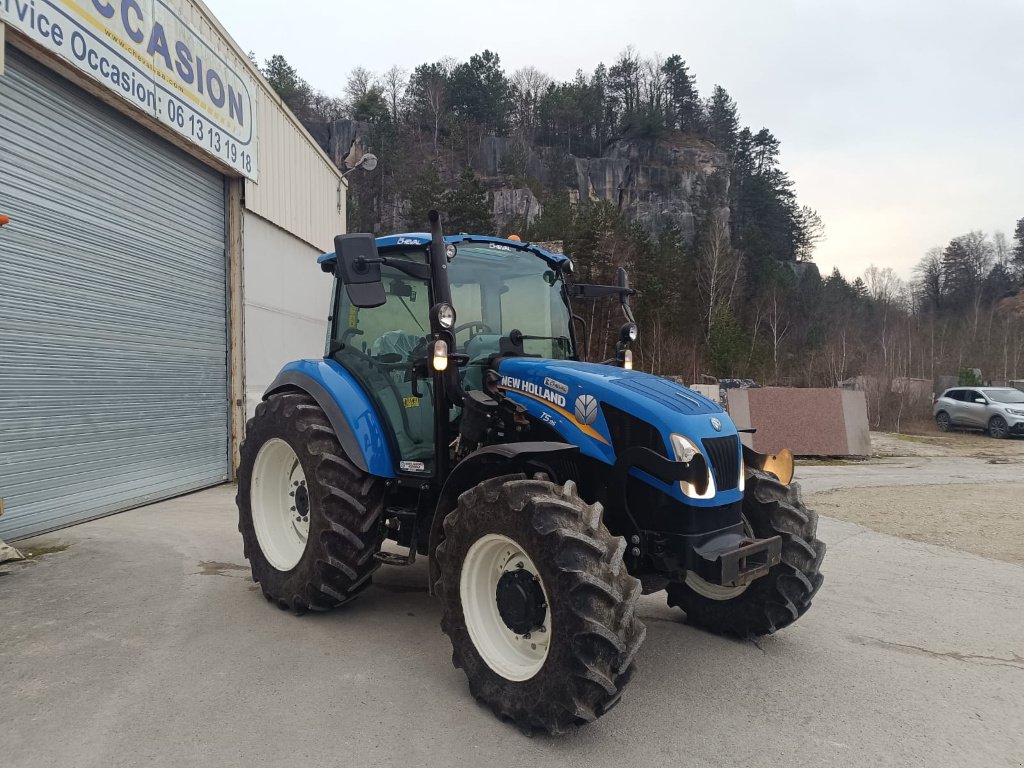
(586, 334)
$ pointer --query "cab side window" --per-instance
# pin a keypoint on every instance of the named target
(379, 345)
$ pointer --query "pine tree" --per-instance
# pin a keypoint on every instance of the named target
(683, 107)
(722, 119)
(293, 90)
(425, 193)
(1017, 254)
(467, 206)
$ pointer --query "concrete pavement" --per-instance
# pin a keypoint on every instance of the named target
(145, 643)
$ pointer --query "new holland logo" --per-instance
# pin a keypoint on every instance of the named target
(716, 424)
(586, 409)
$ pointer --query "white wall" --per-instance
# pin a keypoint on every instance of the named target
(286, 303)
(299, 189)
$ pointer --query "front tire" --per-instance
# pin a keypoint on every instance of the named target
(998, 428)
(784, 594)
(538, 604)
(309, 518)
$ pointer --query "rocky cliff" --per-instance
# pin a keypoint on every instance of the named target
(671, 182)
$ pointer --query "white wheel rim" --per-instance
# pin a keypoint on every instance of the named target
(711, 591)
(514, 657)
(279, 497)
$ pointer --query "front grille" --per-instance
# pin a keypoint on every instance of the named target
(723, 453)
(627, 431)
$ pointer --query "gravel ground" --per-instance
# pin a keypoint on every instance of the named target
(963, 444)
(960, 490)
(987, 520)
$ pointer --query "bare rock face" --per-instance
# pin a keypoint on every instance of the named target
(658, 184)
(672, 182)
(515, 208)
(341, 138)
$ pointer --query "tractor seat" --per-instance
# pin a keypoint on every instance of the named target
(395, 343)
(479, 348)
(483, 345)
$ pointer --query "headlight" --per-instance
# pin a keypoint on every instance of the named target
(1015, 412)
(685, 451)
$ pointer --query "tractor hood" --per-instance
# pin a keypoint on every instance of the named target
(594, 406)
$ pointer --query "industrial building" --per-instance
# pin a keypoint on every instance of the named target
(165, 211)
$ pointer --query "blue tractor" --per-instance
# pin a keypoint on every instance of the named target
(451, 414)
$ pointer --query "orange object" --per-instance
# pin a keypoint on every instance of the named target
(4, 220)
(516, 238)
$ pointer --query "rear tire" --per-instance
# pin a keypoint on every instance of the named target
(588, 614)
(942, 421)
(784, 594)
(334, 561)
(998, 428)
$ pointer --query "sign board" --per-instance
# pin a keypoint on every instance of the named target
(163, 56)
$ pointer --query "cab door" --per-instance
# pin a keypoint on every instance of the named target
(379, 346)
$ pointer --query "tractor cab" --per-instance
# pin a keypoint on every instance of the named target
(502, 289)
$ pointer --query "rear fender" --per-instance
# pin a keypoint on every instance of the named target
(348, 408)
(491, 461)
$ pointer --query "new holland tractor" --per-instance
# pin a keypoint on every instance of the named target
(452, 415)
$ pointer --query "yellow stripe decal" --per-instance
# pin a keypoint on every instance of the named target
(586, 429)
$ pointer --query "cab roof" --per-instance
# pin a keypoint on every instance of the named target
(422, 240)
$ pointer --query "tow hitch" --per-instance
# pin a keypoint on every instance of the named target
(739, 564)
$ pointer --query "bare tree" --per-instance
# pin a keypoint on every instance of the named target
(718, 272)
(654, 83)
(884, 285)
(394, 83)
(360, 81)
(778, 326)
(528, 84)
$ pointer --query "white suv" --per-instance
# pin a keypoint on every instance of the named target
(997, 410)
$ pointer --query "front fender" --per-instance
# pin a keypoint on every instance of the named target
(348, 408)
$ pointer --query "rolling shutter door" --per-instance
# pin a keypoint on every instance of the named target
(113, 341)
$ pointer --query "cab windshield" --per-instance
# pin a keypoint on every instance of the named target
(497, 289)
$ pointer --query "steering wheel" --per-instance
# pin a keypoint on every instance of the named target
(484, 328)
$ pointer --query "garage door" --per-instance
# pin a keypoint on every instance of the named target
(113, 351)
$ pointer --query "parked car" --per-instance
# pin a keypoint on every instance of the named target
(996, 410)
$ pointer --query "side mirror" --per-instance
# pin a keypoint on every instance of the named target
(981, 401)
(359, 269)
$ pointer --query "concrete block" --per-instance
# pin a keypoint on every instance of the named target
(810, 422)
(710, 391)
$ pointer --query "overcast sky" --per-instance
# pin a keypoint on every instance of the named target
(902, 122)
